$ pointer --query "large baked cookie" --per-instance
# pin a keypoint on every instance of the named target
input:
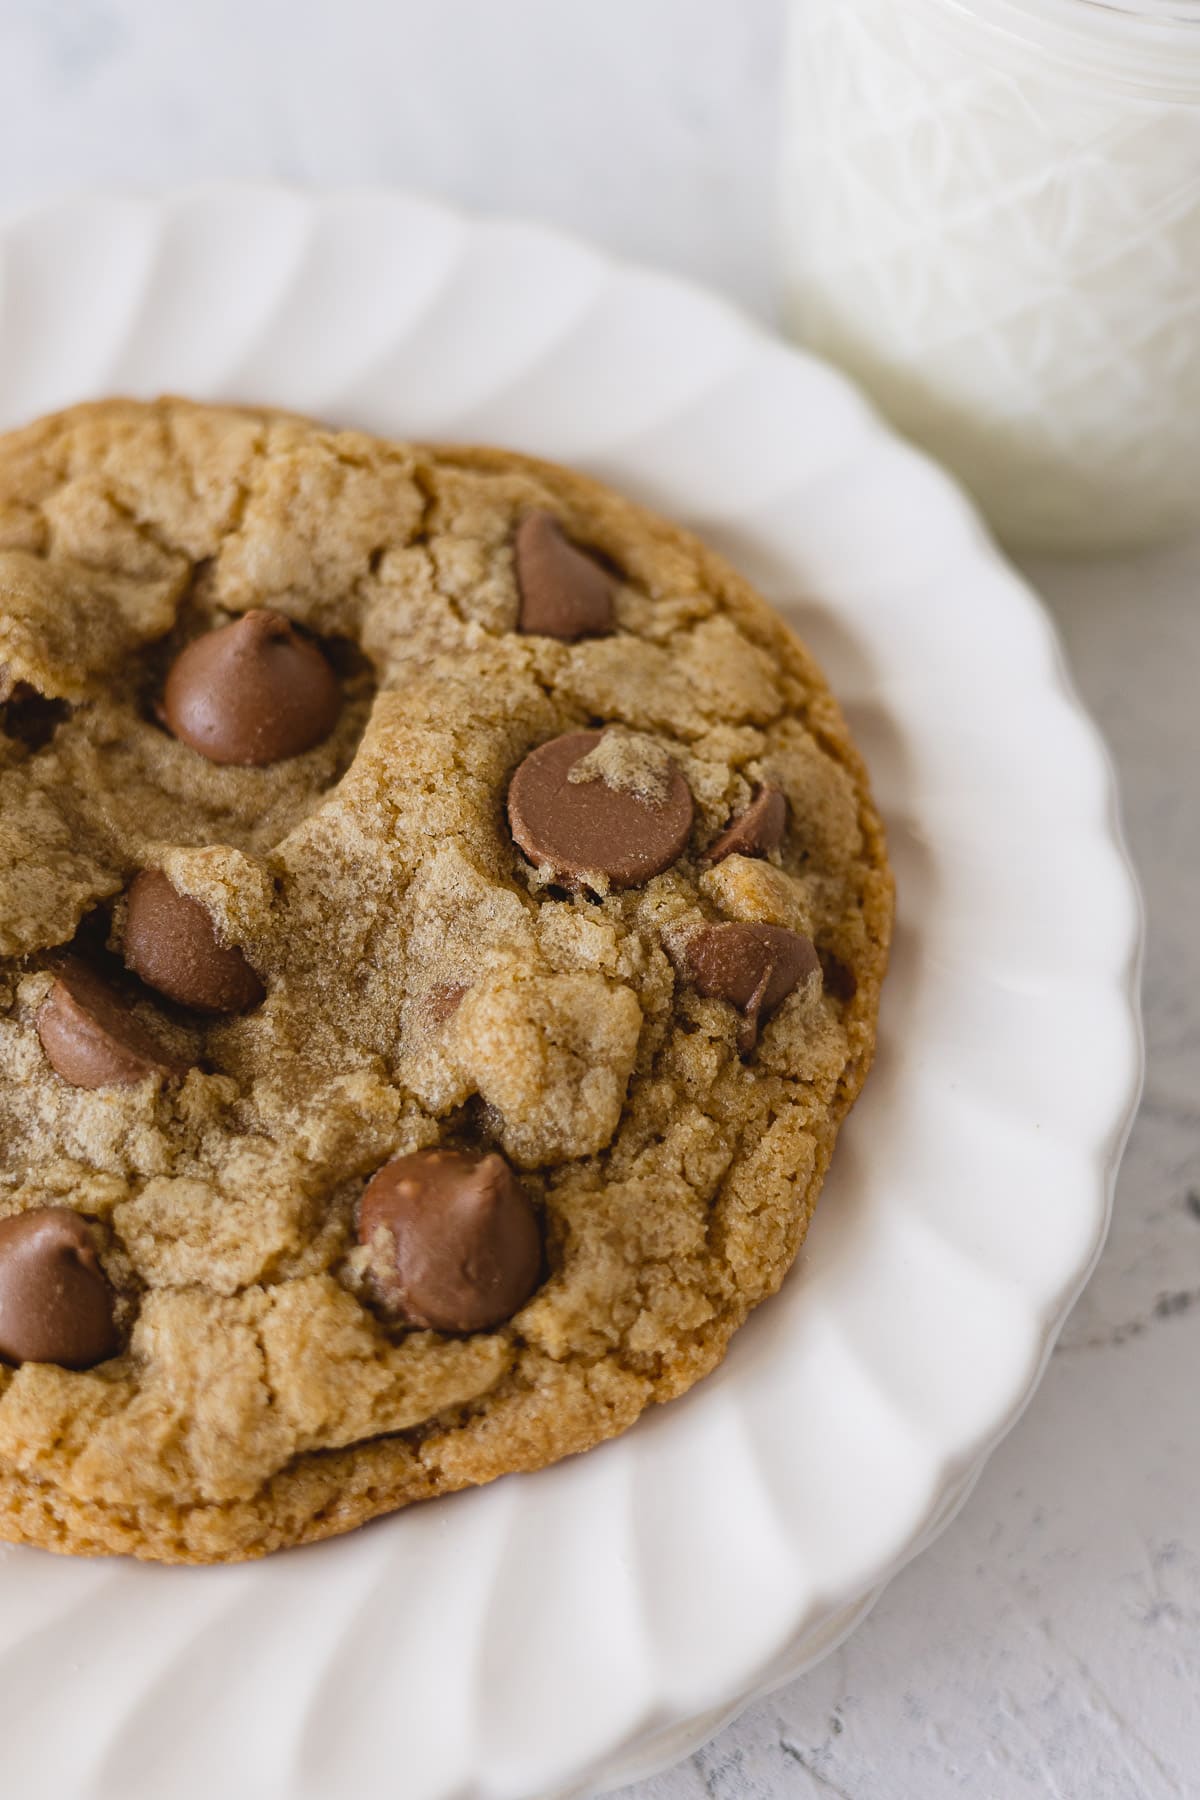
(442, 918)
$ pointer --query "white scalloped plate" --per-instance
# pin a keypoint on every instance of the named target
(573, 1628)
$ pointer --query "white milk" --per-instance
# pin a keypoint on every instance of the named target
(992, 219)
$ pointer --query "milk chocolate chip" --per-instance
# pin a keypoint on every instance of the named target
(90, 1036)
(760, 828)
(583, 829)
(456, 1240)
(252, 692)
(171, 942)
(755, 967)
(564, 593)
(56, 1305)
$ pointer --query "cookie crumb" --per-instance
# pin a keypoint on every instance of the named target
(629, 763)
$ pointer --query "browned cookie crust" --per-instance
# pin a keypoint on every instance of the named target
(653, 1056)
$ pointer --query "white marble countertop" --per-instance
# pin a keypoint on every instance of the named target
(1049, 1643)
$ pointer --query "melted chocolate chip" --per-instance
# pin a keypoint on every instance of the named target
(443, 1002)
(27, 716)
(456, 1240)
(171, 942)
(839, 978)
(56, 1305)
(579, 831)
(761, 828)
(90, 1036)
(252, 692)
(564, 592)
(754, 967)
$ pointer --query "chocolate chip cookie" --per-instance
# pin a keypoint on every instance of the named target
(442, 918)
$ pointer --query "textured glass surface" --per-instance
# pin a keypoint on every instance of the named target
(1009, 258)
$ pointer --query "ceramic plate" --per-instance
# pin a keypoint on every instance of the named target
(562, 1631)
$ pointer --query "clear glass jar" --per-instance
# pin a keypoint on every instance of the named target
(992, 219)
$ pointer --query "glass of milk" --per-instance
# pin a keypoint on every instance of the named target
(992, 219)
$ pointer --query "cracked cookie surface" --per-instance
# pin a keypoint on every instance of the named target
(666, 1103)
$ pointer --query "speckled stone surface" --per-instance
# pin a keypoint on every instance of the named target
(1049, 1643)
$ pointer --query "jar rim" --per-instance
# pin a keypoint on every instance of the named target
(1177, 12)
(1148, 46)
